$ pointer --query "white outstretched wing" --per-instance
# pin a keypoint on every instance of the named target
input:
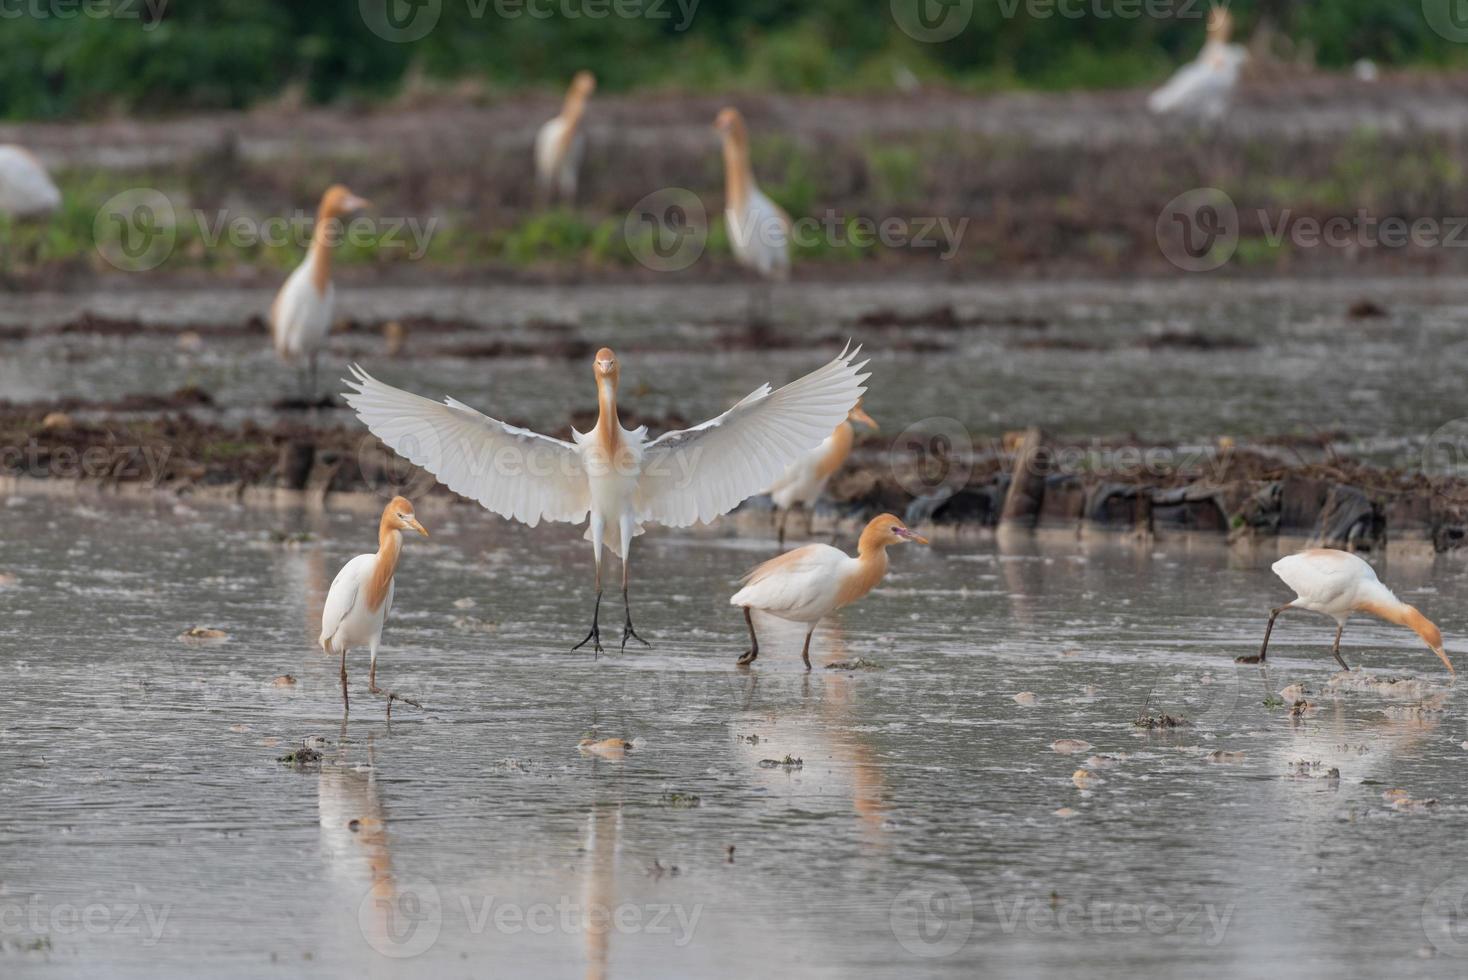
(512, 471)
(695, 475)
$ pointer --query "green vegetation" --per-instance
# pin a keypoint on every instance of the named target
(61, 59)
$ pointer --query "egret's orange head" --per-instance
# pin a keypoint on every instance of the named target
(888, 529)
(583, 83)
(1430, 634)
(399, 516)
(605, 367)
(339, 201)
(730, 123)
(1220, 23)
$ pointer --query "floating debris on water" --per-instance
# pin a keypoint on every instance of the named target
(1105, 760)
(754, 740)
(1273, 701)
(1026, 699)
(854, 663)
(464, 603)
(284, 680)
(729, 854)
(203, 635)
(607, 748)
(1069, 746)
(1065, 813)
(1225, 757)
(1301, 708)
(789, 762)
(1295, 692)
(473, 624)
(1313, 769)
(1400, 799)
(1400, 688)
(682, 800)
(301, 756)
(1154, 722)
(1085, 780)
(657, 869)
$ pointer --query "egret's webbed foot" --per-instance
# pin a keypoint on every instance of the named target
(593, 637)
(392, 696)
(627, 631)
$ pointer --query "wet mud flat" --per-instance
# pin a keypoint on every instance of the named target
(1288, 489)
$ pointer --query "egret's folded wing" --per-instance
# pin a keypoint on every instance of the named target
(340, 597)
(1183, 88)
(695, 475)
(512, 471)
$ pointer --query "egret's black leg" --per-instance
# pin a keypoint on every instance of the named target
(628, 633)
(593, 637)
(1264, 647)
(346, 702)
(1335, 650)
(749, 656)
(805, 650)
(780, 533)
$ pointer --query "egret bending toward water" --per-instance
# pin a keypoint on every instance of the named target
(300, 317)
(560, 145)
(759, 229)
(620, 477)
(1203, 87)
(808, 584)
(806, 479)
(361, 595)
(26, 189)
(1337, 584)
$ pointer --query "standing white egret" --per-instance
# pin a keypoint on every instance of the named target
(300, 317)
(560, 145)
(361, 595)
(759, 229)
(619, 477)
(26, 189)
(808, 584)
(1337, 584)
(1202, 88)
(806, 479)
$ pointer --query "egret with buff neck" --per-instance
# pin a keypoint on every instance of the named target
(759, 229)
(560, 145)
(808, 584)
(361, 596)
(1338, 584)
(1203, 88)
(300, 317)
(619, 477)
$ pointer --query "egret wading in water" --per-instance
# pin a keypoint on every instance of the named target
(361, 596)
(560, 145)
(806, 479)
(300, 317)
(759, 229)
(808, 584)
(1203, 88)
(618, 476)
(26, 189)
(1337, 584)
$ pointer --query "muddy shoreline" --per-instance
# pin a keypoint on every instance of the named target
(1252, 494)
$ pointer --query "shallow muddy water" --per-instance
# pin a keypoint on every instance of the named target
(148, 829)
(1078, 361)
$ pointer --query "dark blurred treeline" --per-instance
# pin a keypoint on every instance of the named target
(70, 58)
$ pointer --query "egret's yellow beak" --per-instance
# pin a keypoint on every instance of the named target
(354, 203)
(413, 523)
(1442, 655)
(909, 535)
(858, 414)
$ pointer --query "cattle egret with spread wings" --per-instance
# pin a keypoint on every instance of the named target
(620, 478)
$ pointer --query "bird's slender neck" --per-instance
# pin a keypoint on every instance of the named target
(841, 442)
(389, 548)
(573, 108)
(320, 254)
(1394, 610)
(738, 177)
(608, 424)
(871, 565)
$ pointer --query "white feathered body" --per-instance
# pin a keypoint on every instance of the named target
(801, 586)
(26, 190)
(679, 479)
(1331, 582)
(346, 620)
(558, 157)
(300, 318)
(1202, 88)
(759, 234)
